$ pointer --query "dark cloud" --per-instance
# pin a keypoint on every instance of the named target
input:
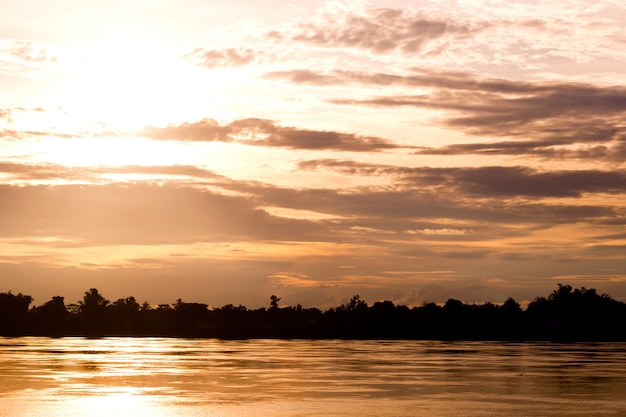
(144, 213)
(608, 250)
(470, 254)
(612, 236)
(419, 77)
(422, 204)
(613, 150)
(549, 110)
(542, 118)
(380, 31)
(490, 181)
(519, 181)
(227, 57)
(262, 132)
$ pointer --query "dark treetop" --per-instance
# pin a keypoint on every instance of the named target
(566, 314)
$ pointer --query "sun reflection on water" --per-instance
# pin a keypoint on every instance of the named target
(77, 377)
(127, 402)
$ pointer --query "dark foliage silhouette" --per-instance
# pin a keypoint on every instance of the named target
(51, 317)
(566, 314)
(92, 313)
(13, 312)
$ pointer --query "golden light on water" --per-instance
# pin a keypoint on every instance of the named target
(161, 377)
(124, 402)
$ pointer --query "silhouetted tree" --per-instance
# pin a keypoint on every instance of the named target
(576, 314)
(191, 318)
(510, 324)
(566, 314)
(427, 321)
(93, 302)
(52, 317)
(160, 321)
(274, 301)
(92, 312)
(124, 314)
(13, 312)
(511, 307)
(355, 304)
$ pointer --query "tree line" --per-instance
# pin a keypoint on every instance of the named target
(566, 314)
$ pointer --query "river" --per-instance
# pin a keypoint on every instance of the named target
(161, 377)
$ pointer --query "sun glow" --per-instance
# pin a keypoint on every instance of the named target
(117, 403)
(111, 151)
(126, 80)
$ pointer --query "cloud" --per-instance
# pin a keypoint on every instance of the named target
(431, 200)
(24, 134)
(444, 231)
(489, 181)
(227, 57)
(305, 76)
(505, 108)
(263, 132)
(378, 232)
(26, 58)
(615, 150)
(541, 118)
(417, 77)
(29, 51)
(140, 213)
(12, 134)
(20, 172)
(205, 130)
(525, 37)
(380, 31)
(8, 113)
(230, 211)
(521, 181)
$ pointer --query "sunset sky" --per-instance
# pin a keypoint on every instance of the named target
(222, 152)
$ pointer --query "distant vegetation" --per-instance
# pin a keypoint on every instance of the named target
(566, 314)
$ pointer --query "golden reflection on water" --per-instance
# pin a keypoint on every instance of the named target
(125, 402)
(74, 377)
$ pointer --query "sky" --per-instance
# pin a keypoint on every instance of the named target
(222, 152)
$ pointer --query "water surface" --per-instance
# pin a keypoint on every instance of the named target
(206, 377)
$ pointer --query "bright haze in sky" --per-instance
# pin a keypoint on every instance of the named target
(222, 152)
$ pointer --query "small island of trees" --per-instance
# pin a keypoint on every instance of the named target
(567, 314)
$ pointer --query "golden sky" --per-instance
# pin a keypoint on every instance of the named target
(222, 152)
